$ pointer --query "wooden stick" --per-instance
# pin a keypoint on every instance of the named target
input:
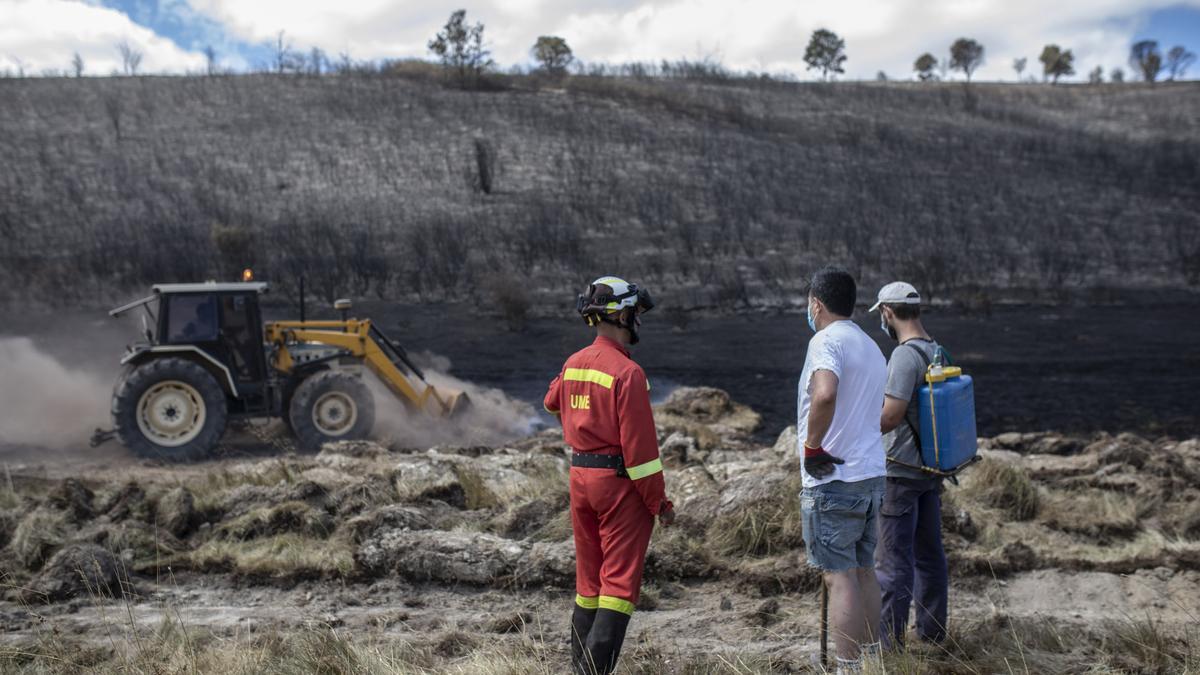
(824, 625)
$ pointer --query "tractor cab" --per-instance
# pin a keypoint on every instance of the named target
(216, 325)
(223, 321)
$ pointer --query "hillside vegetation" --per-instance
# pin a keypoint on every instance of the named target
(717, 192)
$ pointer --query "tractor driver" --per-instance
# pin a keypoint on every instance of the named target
(602, 399)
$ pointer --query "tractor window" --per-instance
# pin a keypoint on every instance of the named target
(192, 318)
(240, 335)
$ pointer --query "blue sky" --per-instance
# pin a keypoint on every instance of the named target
(191, 30)
(760, 35)
(1172, 26)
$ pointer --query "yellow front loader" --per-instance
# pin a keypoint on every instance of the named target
(209, 359)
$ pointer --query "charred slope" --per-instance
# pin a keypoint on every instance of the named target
(728, 192)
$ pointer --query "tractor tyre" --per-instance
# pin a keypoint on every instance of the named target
(289, 392)
(169, 408)
(331, 406)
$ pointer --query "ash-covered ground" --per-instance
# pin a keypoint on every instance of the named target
(1068, 554)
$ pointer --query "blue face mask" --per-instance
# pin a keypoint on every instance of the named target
(811, 324)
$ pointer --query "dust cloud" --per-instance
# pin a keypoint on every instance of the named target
(44, 403)
(492, 419)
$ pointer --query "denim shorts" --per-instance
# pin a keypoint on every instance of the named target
(841, 523)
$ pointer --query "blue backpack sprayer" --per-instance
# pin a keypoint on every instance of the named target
(946, 409)
(945, 434)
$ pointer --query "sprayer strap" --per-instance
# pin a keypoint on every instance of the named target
(924, 359)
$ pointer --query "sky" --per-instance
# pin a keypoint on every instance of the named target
(40, 36)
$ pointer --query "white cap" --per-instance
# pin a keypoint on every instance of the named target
(897, 293)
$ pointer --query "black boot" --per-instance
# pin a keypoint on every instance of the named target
(604, 641)
(581, 626)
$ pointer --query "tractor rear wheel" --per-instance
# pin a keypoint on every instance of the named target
(169, 408)
(331, 406)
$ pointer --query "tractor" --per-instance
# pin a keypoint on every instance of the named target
(206, 358)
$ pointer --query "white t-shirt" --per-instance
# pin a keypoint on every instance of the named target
(845, 350)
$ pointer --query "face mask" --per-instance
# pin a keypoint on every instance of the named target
(811, 324)
(887, 330)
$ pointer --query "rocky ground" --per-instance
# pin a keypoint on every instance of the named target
(1069, 554)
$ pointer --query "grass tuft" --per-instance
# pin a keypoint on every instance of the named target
(287, 556)
(760, 527)
(1003, 486)
(38, 536)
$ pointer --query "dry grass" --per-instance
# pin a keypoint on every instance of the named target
(282, 556)
(1096, 513)
(476, 493)
(1002, 644)
(754, 547)
(1034, 645)
(293, 516)
(38, 536)
(761, 527)
(1003, 486)
(9, 499)
(214, 485)
(557, 528)
(998, 644)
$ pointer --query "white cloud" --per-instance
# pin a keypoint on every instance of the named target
(44, 34)
(363, 28)
(761, 35)
(752, 34)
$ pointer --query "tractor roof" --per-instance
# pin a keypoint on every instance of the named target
(212, 287)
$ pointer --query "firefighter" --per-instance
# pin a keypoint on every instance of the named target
(602, 399)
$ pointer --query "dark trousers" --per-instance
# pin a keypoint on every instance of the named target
(910, 562)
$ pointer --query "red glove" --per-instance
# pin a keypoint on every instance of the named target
(666, 513)
(819, 463)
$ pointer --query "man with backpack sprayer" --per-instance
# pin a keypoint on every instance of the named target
(910, 561)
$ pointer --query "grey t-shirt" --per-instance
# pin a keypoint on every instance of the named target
(906, 372)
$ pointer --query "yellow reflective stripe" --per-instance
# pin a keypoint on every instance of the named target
(643, 470)
(588, 375)
(586, 602)
(616, 604)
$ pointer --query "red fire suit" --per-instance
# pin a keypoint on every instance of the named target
(603, 400)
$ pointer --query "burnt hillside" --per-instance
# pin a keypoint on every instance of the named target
(715, 192)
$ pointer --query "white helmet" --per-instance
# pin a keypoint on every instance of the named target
(610, 295)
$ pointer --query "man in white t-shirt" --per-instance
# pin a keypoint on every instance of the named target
(841, 390)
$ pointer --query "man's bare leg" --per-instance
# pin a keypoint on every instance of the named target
(847, 622)
(871, 600)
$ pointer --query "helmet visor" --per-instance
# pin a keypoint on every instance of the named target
(644, 302)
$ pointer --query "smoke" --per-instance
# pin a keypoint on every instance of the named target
(492, 419)
(44, 403)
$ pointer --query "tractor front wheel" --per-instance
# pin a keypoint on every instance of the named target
(169, 408)
(331, 406)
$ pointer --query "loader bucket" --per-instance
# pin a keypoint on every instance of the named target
(449, 403)
(457, 404)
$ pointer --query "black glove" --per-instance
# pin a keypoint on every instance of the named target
(819, 463)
